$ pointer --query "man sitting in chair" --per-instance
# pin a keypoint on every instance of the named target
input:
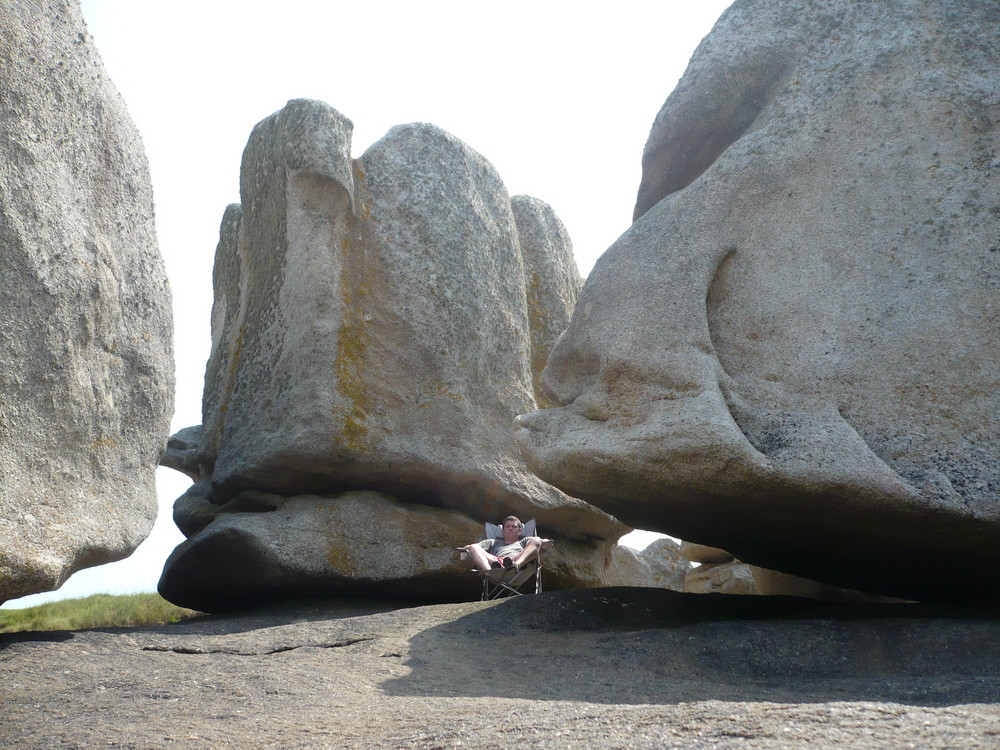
(509, 552)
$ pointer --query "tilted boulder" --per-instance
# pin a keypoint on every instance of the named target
(374, 327)
(86, 371)
(792, 354)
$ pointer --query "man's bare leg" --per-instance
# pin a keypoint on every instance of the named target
(532, 546)
(480, 557)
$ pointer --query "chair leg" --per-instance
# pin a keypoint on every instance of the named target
(499, 588)
(504, 585)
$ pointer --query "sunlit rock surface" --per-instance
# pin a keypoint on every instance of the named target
(660, 565)
(552, 278)
(86, 361)
(793, 353)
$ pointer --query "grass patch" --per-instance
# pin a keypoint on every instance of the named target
(97, 611)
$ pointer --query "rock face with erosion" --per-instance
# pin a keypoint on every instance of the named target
(660, 565)
(375, 326)
(86, 377)
(793, 354)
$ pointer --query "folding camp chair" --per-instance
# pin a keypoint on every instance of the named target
(503, 582)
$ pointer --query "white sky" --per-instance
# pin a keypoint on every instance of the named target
(558, 95)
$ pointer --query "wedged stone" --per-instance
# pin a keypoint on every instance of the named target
(719, 572)
(774, 582)
(262, 547)
(183, 453)
(194, 510)
(792, 353)
(659, 565)
(86, 371)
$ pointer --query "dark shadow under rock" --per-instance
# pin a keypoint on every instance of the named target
(632, 645)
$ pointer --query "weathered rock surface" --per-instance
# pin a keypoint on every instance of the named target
(659, 565)
(609, 668)
(731, 577)
(262, 546)
(375, 327)
(552, 278)
(86, 370)
(793, 354)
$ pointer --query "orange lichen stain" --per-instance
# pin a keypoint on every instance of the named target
(352, 345)
(234, 363)
(234, 366)
(443, 392)
(364, 205)
(539, 319)
(103, 444)
(340, 558)
(427, 399)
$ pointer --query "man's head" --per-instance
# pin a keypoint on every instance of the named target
(512, 528)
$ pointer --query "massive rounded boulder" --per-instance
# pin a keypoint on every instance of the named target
(375, 327)
(793, 353)
(86, 371)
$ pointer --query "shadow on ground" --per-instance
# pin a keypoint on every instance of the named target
(642, 646)
(624, 646)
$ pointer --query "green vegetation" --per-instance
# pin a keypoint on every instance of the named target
(97, 611)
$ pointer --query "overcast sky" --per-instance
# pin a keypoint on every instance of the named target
(558, 95)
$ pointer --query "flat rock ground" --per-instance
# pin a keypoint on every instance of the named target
(603, 668)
